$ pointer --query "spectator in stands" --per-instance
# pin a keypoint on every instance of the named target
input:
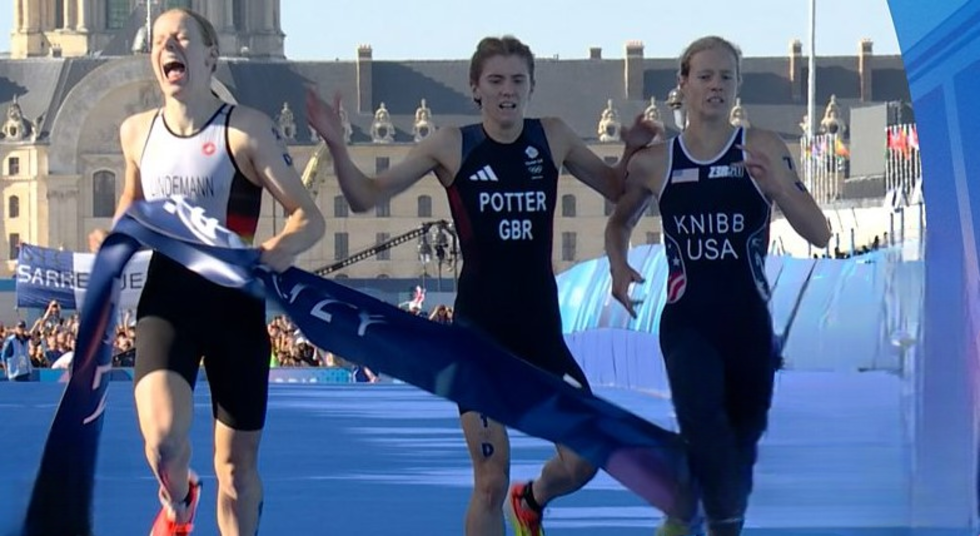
(442, 315)
(16, 353)
(53, 350)
(36, 352)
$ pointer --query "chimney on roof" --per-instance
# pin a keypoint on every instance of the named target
(365, 93)
(865, 69)
(634, 70)
(595, 53)
(796, 82)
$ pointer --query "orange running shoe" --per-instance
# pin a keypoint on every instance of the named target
(526, 522)
(178, 520)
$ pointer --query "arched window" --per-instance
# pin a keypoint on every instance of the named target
(104, 194)
(13, 207)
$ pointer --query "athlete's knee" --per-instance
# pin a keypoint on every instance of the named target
(490, 487)
(237, 481)
(166, 444)
(237, 475)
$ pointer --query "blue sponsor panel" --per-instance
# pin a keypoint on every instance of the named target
(327, 375)
(44, 275)
(310, 375)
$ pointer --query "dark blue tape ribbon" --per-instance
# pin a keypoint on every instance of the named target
(449, 361)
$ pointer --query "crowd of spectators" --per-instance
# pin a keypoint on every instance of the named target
(49, 341)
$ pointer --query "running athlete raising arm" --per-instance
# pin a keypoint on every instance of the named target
(440, 153)
(501, 178)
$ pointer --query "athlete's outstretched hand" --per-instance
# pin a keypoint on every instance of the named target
(95, 239)
(623, 277)
(759, 165)
(642, 132)
(325, 118)
(275, 256)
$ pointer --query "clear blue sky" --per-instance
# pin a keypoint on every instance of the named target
(450, 29)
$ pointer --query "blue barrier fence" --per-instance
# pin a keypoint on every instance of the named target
(862, 313)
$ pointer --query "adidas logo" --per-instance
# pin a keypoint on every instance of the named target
(485, 174)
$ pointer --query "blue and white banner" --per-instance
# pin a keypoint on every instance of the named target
(941, 53)
(449, 361)
(45, 274)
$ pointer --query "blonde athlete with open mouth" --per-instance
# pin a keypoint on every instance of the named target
(219, 157)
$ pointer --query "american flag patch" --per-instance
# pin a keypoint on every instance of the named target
(676, 285)
(677, 277)
(685, 175)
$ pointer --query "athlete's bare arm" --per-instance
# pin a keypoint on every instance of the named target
(569, 150)
(433, 154)
(439, 152)
(132, 138)
(771, 165)
(262, 155)
(645, 178)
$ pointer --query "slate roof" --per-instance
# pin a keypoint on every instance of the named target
(576, 90)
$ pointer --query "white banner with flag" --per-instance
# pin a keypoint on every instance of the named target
(45, 274)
